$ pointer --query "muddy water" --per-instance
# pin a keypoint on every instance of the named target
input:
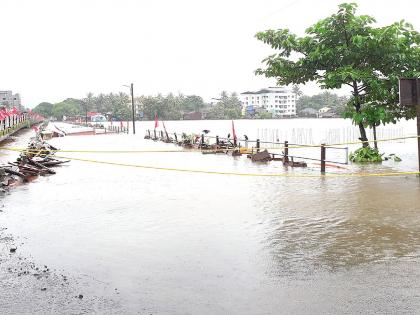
(186, 243)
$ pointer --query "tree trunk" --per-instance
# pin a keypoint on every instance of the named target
(374, 137)
(357, 106)
(363, 136)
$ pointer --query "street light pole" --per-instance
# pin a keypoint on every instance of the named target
(132, 108)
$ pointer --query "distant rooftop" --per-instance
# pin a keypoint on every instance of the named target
(271, 89)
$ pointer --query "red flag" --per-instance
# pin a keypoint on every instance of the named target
(15, 111)
(233, 131)
(156, 121)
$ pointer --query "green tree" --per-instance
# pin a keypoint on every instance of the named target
(100, 103)
(121, 106)
(297, 91)
(346, 50)
(44, 109)
(229, 107)
(68, 107)
(324, 99)
(192, 103)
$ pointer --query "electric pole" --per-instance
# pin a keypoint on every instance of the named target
(132, 108)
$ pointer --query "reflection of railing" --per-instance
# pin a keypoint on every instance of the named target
(330, 135)
(117, 129)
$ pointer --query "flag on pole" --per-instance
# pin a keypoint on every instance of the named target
(156, 121)
(233, 131)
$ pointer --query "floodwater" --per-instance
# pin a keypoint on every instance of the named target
(192, 243)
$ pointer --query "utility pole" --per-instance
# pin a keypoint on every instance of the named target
(132, 108)
(410, 96)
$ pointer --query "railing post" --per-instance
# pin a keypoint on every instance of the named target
(176, 137)
(347, 155)
(154, 132)
(286, 152)
(202, 140)
(258, 145)
(217, 140)
(323, 158)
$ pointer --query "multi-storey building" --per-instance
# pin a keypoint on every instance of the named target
(279, 101)
(9, 100)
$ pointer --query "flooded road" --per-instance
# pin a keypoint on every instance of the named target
(186, 243)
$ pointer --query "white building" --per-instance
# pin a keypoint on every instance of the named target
(279, 101)
(8, 99)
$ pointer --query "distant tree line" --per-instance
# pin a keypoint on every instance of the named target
(173, 107)
(169, 107)
(326, 99)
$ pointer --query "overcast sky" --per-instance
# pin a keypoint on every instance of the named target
(54, 49)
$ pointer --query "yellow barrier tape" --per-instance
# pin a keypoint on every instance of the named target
(92, 151)
(330, 175)
(339, 144)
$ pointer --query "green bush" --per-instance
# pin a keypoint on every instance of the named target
(371, 155)
(366, 155)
